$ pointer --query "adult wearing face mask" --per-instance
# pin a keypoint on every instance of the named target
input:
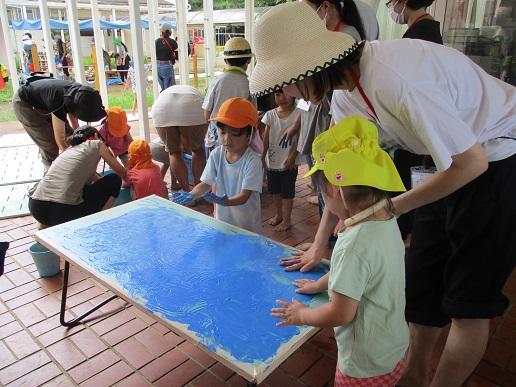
(42, 107)
(350, 16)
(421, 25)
(428, 99)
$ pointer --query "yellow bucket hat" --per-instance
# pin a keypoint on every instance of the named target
(349, 154)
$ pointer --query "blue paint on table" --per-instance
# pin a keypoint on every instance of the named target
(216, 279)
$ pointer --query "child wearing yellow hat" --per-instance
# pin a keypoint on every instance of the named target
(233, 167)
(115, 132)
(143, 176)
(366, 281)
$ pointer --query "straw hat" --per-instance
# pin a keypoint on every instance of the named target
(292, 43)
(349, 154)
(237, 48)
(238, 113)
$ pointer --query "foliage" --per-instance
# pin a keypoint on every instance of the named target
(232, 4)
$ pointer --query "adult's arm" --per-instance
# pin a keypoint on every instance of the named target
(307, 260)
(58, 127)
(207, 114)
(113, 163)
(292, 130)
(464, 168)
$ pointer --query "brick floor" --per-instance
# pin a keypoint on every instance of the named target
(131, 349)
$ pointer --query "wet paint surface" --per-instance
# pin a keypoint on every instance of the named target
(218, 281)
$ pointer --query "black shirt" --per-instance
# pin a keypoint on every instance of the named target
(163, 52)
(47, 95)
(425, 29)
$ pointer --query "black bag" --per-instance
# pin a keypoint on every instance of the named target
(26, 80)
(3, 250)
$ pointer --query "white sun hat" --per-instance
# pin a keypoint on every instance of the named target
(178, 105)
(291, 43)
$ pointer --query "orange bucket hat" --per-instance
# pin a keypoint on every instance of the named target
(117, 122)
(140, 156)
(238, 113)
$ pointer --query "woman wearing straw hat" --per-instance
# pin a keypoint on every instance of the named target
(428, 99)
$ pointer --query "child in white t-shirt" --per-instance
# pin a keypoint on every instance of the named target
(366, 281)
(233, 167)
(280, 158)
(232, 83)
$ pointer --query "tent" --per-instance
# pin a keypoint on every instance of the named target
(35, 24)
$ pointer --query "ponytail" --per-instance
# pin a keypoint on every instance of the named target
(349, 14)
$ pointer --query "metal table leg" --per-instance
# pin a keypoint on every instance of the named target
(78, 319)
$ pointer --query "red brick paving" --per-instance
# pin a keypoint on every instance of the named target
(129, 348)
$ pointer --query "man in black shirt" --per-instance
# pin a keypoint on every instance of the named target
(165, 56)
(42, 106)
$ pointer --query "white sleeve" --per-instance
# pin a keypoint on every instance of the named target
(209, 99)
(266, 119)
(433, 118)
(209, 175)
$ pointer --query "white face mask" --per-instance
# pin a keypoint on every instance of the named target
(398, 18)
(325, 14)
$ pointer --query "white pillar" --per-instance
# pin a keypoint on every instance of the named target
(209, 41)
(47, 36)
(182, 36)
(60, 15)
(9, 47)
(73, 27)
(113, 18)
(98, 35)
(153, 34)
(137, 44)
(249, 28)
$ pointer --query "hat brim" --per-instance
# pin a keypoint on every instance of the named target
(293, 64)
(230, 122)
(314, 169)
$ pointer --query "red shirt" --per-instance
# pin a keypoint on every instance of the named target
(146, 181)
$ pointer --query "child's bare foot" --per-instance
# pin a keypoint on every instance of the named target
(313, 200)
(274, 221)
(284, 226)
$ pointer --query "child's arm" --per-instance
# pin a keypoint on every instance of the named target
(200, 189)
(207, 114)
(129, 138)
(290, 162)
(265, 144)
(341, 310)
(306, 286)
(187, 198)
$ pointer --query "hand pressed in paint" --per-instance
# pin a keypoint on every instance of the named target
(290, 313)
(307, 286)
(211, 197)
(183, 198)
(302, 261)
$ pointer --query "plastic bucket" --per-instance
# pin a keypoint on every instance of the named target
(46, 261)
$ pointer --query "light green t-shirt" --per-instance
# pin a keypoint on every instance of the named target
(367, 265)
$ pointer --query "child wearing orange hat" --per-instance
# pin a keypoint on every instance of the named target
(233, 167)
(115, 132)
(143, 176)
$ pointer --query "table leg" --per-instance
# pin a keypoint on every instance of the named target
(77, 320)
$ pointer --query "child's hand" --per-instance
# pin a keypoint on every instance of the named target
(306, 286)
(290, 313)
(183, 198)
(290, 162)
(211, 197)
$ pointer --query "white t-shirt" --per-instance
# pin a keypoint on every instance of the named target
(231, 179)
(369, 21)
(227, 85)
(178, 105)
(277, 155)
(431, 99)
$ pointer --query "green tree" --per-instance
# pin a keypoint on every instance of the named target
(232, 4)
